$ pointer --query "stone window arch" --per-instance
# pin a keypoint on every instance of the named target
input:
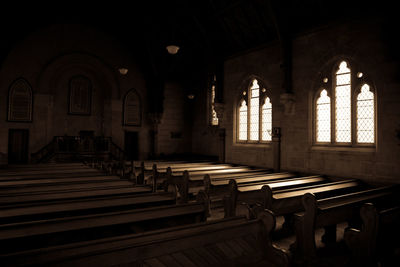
(20, 100)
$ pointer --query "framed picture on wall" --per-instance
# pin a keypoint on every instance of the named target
(80, 95)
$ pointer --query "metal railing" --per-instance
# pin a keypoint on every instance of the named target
(79, 145)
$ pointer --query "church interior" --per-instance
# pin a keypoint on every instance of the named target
(200, 133)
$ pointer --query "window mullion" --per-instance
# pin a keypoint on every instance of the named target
(333, 117)
(248, 114)
(260, 119)
(353, 119)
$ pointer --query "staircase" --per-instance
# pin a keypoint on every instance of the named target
(78, 149)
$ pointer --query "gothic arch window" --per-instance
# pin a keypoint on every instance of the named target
(254, 113)
(344, 108)
(20, 101)
(132, 114)
(213, 113)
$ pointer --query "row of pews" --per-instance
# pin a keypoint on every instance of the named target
(166, 213)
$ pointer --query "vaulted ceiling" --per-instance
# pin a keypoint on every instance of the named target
(206, 30)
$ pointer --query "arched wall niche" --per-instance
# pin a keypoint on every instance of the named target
(55, 80)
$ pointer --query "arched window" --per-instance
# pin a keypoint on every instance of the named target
(365, 116)
(20, 101)
(254, 118)
(212, 113)
(349, 119)
(243, 121)
(267, 120)
(343, 104)
(323, 118)
(132, 114)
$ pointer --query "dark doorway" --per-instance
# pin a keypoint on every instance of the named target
(131, 145)
(18, 144)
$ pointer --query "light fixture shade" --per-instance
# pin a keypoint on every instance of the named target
(123, 71)
(172, 49)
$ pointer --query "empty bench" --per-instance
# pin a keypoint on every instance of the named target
(44, 232)
(227, 242)
(377, 241)
(328, 212)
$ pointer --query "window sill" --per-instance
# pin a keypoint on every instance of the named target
(343, 149)
(253, 145)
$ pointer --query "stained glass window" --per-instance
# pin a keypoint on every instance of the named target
(267, 120)
(343, 104)
(323, 122)
(20, 101)
(243, 121)
(365, 116)
(254, 111)
(214, 118)
(132, 110)
(255, 119)
(352, 116)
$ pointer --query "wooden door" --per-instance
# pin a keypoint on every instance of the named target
(131, 145)
(18, 145)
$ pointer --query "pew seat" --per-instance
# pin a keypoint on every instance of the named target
(56, 231)
(227, 242)
(34, 198)
(50, 210)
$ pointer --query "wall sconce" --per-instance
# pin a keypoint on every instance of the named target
(172, 49)
(123, 71)
(190, 96)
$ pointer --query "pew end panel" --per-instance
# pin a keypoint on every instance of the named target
(230, 201)
(376, 241)
(327, 213)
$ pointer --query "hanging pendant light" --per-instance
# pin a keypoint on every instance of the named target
(172, 49)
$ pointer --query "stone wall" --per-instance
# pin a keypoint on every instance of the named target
(361, 41)
(47, 59)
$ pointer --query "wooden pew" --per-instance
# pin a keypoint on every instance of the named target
(7, 200)
(199, 181)
(164, 178)
(51, 175)
(42, 166)
(54, 181)
(218, 185)
(227, 242)
(57, 187)
(377, 241)
(47, 171)
(146, 170)
(294, 187)
(57, 231)
(56, 209)
(328, 212)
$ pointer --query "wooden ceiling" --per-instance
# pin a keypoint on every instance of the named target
(206, 30)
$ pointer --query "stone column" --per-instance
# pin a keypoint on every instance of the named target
(276, 148)
(155, 119)
(219, 109)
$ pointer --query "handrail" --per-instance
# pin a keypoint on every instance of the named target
(79, 144)
(45, 151)
(116, 152)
